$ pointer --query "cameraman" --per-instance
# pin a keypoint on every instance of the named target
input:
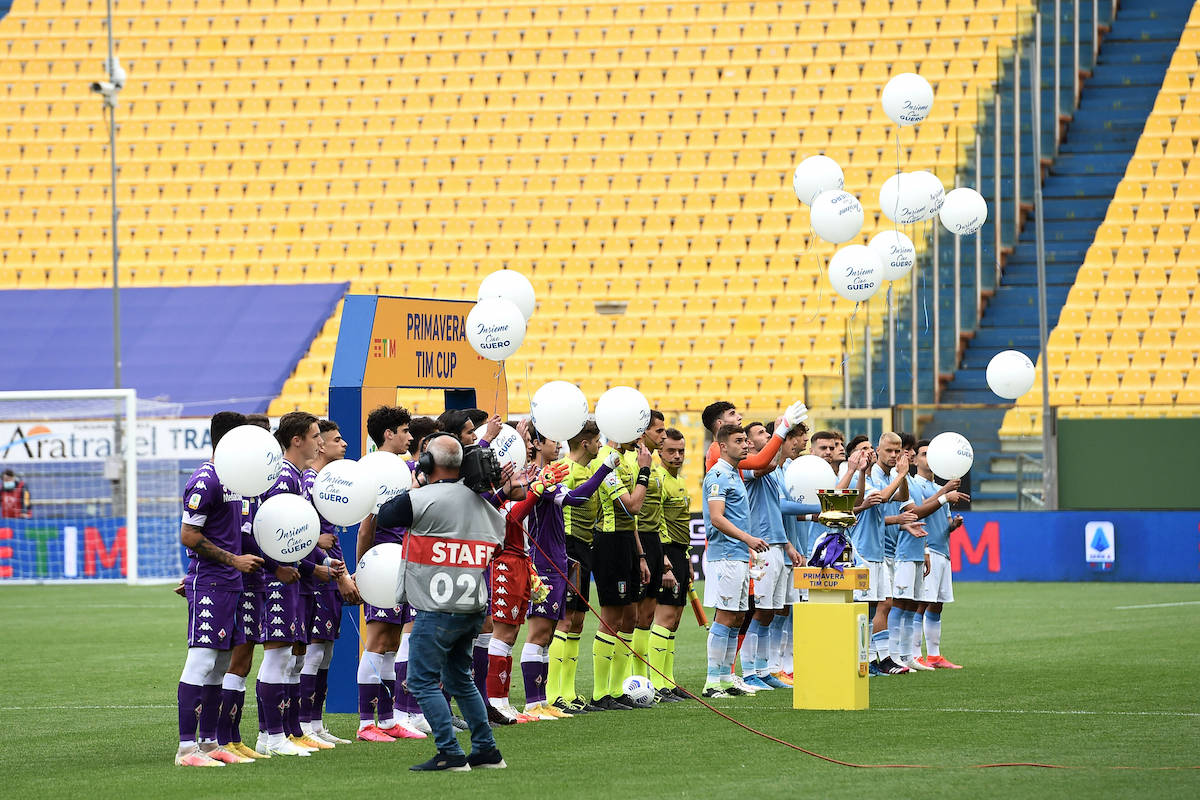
(452, 535)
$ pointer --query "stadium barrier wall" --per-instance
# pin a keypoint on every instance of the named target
(1156, 473)
(1136, 546)
(86, 548)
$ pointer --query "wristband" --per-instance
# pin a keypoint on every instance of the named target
(942, 500)
(642, 556)
(643, 478)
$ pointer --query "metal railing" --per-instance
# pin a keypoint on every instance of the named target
(1027, 497)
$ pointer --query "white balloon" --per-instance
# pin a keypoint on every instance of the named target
(509, 285)
(950, 455)
(509, 447)
(623, 414)
(1010, 374)
(897, 253)
(379, 573)
(965, 211)
(344, 492)
(559, 409)
(495, 328)
(805, 475)
(907, 98)
(248, 460)
(837, 216)
(389, 474)
(814, 175)
(856, 272)
(901, 201)
(286, 527)
(928, 192)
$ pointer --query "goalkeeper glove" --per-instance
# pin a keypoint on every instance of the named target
(539, 590)
(550, 476)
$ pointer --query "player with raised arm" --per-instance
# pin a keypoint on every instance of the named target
(211, 529)
(727, 523)
(287, 609)
(649, 531)
(619, 567)
(676, 537)
(717, 415)
(326, 622)
(547, 531)
(936, 582)
(578, 521)
(798, 527)
(384, 705)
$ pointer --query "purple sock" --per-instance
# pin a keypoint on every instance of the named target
(292, 721)
(387, 700)
(210, 711)
(272, 701)
(368, 699)
(479, 665)
(543, 675)
(189, 711)
(535, 686)
(404, 701)
(262, 719)
(308, 697)
(229, 709)
(322, 689)
(235, 725)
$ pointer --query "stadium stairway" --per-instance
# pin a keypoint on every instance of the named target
(1103, 133)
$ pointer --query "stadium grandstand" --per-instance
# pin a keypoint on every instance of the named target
(634, 160)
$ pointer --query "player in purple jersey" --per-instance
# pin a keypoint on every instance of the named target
(325, 624)
(284, 612)
(212, 530)
(385, 706)
(546, 526)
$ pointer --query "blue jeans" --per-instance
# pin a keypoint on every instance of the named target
(439, 652)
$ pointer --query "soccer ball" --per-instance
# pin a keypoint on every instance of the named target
(639, 689)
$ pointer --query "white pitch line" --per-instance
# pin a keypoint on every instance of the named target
(1159, 605)
(78, 607)
(76, 708)
(1066, 712)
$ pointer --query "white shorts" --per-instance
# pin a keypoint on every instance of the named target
(727, 585)
(909, 579)
(938, 586)
(771, 590)
(881, 582)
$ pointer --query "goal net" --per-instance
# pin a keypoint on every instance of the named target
(91, 487)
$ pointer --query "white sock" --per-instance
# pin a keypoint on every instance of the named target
(273, 666)
(914, 625)
(234, 683)
(314, 657)
(530, 653)
(749, 651)
(731, 642)
(785, 649)
(933, 633)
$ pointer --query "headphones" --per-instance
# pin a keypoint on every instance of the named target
(425, 460)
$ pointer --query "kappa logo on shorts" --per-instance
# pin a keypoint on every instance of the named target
(277, 632)
(501, 566)
(276, 608)
(501, 579)
(499, 603)
(277, 621)
(204, 626)
(380, 613)
(204, 640)
(274, 596)
(247, 618)
(540, 609)
(205, 614)
(206, 601)
(248, 606)
(501, 590)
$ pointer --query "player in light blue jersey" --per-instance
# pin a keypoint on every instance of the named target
(932, 574)
(727, 523)
(799, 527)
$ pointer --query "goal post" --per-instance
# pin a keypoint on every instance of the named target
(87, 497)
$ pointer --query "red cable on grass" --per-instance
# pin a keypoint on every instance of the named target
(796, 747)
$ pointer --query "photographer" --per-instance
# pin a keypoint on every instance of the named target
(14, 498)
(452, 536)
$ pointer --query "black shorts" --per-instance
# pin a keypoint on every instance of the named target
(652, 547)
(616, 568)
(580, 551)
(681, 568)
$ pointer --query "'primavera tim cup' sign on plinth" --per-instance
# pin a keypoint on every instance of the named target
(832, 675)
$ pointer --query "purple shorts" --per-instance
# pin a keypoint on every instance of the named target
(326, 622)
(556, 602)
(400, 615)
(284, 618)
(250, 605)
(213, 618)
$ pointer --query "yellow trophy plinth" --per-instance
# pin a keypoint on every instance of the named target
(832, 633)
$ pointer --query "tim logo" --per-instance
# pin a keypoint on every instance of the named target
(383, 348)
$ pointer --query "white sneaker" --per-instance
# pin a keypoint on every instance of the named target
(914, 664)
(743, 686)
(417, 722)
(285, 747)
(260, 745)
(326, 736)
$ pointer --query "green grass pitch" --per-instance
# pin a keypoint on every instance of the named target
(1054, 673)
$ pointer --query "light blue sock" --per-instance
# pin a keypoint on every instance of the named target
(914, 625)
(901, 652)
(731, 650)
(879, 644)
(775, 642)
(718, 640)
(894, 618)
(753, 647)
(933, 633)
